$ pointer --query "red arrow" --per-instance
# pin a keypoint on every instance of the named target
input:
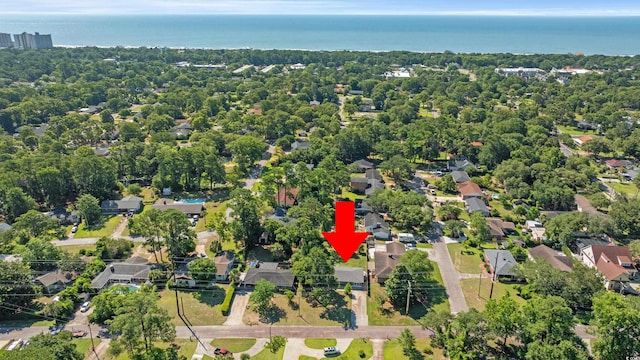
(345, 240)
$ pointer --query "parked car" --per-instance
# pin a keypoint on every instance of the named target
(74, 229)
(223, 352)
(431, 186)
(433, 192)
(331, 351)
(85, 306)
(411, 245)
(55, 330)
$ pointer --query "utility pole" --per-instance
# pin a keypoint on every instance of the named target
(495, 268)
(93, 347)
(479, 284)
(406, 311)
(299, 298)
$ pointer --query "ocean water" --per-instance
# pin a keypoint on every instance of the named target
(482, 34)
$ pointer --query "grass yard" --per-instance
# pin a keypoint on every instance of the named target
(237, 345)
(346, 194)
(84, 345)
(628, 189)
(393, 350)
(74, 249)
(200, 307)
(353, 351)
(211, 208)
(106, 227)
(358, 260)
(425, 245)
(315, 343)
(148, 195)
(286, 314)
(266, 354)
(575, 131)
(187, 348)
(470, 290)
(306, 357)
(467, 263)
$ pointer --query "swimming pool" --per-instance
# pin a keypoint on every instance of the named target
(126, 288)
(191, 201)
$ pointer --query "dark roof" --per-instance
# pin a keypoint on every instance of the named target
(585, 205)
(101, 151)
(349, 275)
(586, 242)
(373, 219)
(129, 202)
(505, 264)
(359, 180)
(278, 277)
(53, 277)
(460, 176)
(395, 248)
(122, 272)
(222, 261)
(364, 164)
(384, 264)
(166, 204)
(475, 204)
(374, 185)
(557, 260)
(461, 163)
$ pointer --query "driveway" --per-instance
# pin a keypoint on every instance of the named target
(238, 306)
(295, 348)
(451, 278)
(359, 307)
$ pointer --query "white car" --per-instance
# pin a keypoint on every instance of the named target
(85, 306)
(331, 351)
(74, 229)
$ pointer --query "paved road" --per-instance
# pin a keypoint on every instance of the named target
(451, 278)
(565, 150)
(90, 241)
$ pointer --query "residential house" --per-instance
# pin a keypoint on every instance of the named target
(287, 198)
(558, 260)
(282, 279)
(584, 205)
(460, 176)
(354, 276)
(356, 92)
(583, 242)
(182, 131)
(538, 234)
(364, 165)
(102, 151)
(359, 184)
(530, 224)
(460, 164)
(188, 209)
(55, 281)
(10, 258)
(470, 189)
(280, 215)
(374, 185)
(362, 208)
(264, 238)
(501, 263)
(314, 103)
(224, 263)
(129, 203)
(386, 261)
(585, 125)
(614, 262)
(133, 271)
(474, 204)
(300, 145)
(498, 228)
(63, 216)
(375, 224)
(631, 174)
(366, 107)
(583, 139)
(183, 280)
(615, 164)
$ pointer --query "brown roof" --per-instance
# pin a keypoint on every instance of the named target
(615, 163)
(585, 138)
(53, 277)
(476, 143)
(284, 199)
(395, 248)
(610, 270)
(612, 252)
(222, 261)
(384, 264)
(585, 205)
(469, 188)
(558, 261)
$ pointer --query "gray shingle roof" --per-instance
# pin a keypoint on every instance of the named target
(129, 202)
(460, 176)
(475, 204)
(349, 275)
(373, 219)
(280, 278)
(505, 265)
(121, 271)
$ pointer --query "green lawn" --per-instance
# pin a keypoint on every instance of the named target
(306, 357)
(74, 249)
(470, 290)
(390, 316)
(266, 354)
(316, 343)
(470, 262)
(108, 225)
(336, 314)
(628, 189)
(206, 357)
(200, 307)
(346, 194)
(237, 345)
(211, 208)
(358, 260)
(187, 348)
(575, 131)
(84, 345)
(353, 351)
(393, 350)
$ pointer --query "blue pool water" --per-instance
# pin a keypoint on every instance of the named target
(192, 201)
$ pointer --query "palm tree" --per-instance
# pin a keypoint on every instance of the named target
(454, 227)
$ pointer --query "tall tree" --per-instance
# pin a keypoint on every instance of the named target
(89, 209)
(17, 290)
(261, 297)
(246, 223)
(149, 224)
(616, 319)
(177, 233)
(16, 203)
(503, 318)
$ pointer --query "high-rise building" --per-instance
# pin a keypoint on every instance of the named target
(29, 41)
(5, 40)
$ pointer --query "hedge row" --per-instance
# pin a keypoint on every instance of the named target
(226, 304)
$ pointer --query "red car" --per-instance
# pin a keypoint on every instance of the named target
(223, 352)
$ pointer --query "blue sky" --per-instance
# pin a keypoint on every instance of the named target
(381, 7)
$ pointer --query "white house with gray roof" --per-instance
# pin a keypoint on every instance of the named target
(354, 276)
